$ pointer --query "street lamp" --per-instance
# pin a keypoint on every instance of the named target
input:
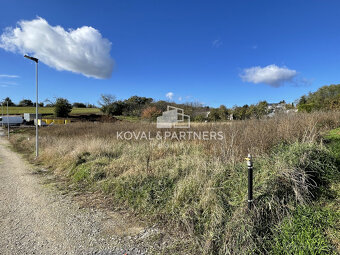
(7, 121)
(36, 106)
(2, 114)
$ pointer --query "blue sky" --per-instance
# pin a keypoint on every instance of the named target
(214, 52)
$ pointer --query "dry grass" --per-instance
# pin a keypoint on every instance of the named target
(241, 137)
(197, 186)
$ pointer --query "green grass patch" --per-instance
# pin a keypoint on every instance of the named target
(128, 118)
(333, 140)
(304, 232)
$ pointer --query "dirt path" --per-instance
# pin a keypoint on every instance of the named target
(36, 220)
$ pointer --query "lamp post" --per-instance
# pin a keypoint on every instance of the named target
(36, 106)
(7, 121)
(2, 113)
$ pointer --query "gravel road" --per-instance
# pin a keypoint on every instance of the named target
(37, 220)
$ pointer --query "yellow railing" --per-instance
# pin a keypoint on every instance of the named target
(53, 122)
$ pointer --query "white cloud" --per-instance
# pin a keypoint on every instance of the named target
(169, 95)
(8, 82)
(8, 76)
(179, 98)
(82, 50)
(272, 75)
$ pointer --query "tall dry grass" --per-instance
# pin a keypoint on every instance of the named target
(240, 137)
(197, 186)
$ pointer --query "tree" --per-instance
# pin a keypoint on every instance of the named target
(106, 101)
(261, 108)
(62, 107)
(223, 112)
(135, 105)
(335, 103)
(41, 104)
(79, 105)
(303, 100)
(10, 103)
(324, 98)
(115, 108)
(214, 115)
(90, 106)
(49, 103)
(151, 113)
(25, 102)
(241, 113)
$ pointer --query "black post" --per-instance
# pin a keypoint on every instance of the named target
(250, 181)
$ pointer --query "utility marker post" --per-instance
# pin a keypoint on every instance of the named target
(250, 181)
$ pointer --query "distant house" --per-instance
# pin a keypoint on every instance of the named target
(275, 108)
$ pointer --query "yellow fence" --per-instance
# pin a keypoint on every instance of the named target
(44, 122)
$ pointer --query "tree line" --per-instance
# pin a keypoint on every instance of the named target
(48, 103)
(62, 107)
(325, 98)
(147, 108)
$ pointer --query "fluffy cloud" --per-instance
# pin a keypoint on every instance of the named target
(169, 95)
(82, 50)
(272, 75)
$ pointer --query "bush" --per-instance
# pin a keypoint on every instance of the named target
(25, 102)
(79, 105)
(199, 118)
(62, 107)
(151, 113)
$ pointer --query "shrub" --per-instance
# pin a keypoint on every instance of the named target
(199, 118)
(62, 107)
(79, 105)
(151, 113)
(25, 102)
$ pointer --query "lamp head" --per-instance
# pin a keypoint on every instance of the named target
(32, 58)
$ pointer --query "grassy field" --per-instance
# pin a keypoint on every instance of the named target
(47, 110)
(199, 187)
